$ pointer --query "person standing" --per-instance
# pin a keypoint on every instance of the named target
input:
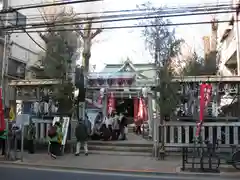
(116, 131)
(81, 133)
(55, 136)
(31, 136)
(123, 127)
(3, 138)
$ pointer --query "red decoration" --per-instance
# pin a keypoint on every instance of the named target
(111, 103)
(142, 110)
(135, 101)
(2, 120)
(205, 94)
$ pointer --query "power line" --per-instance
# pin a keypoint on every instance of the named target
(48, 25)
(33, 6)
(139, 14)
(210, 5)
(126, 27)
(147, 11)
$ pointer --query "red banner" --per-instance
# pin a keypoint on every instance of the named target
(2, 121)
(111, 103)
(142, 110)
(205, 95)
(145, 113)
(135, 101)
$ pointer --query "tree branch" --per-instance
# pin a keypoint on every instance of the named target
(98, 31)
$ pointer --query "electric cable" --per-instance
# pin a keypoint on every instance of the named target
(145, 13)
(48, 25)
(41, 5)
(125, 27)
(210, 5)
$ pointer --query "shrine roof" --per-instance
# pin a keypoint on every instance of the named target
(117, 67)
(107, 75)
(126, 68)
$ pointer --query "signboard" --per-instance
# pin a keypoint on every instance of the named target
(65, 125)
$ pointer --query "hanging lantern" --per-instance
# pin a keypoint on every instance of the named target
(110, 82)
(100, 81)
(120, 82)
(90, 82)
(130, 81)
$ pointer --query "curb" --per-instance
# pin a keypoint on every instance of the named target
(125, 171)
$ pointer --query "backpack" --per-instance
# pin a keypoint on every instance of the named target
(52, 131)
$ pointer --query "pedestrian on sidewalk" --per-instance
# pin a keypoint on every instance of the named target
(3, 138)
(31, 137)
(55, 136)
(81, 133)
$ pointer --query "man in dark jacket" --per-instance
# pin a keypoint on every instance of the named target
(81, 133)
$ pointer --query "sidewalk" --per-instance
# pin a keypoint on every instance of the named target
(113, 163)
(103, 162)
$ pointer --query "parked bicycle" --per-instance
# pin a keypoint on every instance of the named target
(211, 155)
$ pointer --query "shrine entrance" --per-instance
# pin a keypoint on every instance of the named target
(125, 106)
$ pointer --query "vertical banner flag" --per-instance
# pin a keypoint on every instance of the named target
(111, 103)
(2, 120)
(205, 95)
(135, 102)
(140, 110)
(145, 114)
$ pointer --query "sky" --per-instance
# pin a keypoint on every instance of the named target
(114, 46)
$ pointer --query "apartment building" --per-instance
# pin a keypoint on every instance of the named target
(228, 41)
(21, 51)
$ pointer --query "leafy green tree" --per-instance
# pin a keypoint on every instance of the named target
(57, 62)
(193, 67)
(163, 46)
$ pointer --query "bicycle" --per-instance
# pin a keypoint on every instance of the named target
(210, 156)
(233, 158)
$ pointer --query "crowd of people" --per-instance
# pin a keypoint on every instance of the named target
(111, 127)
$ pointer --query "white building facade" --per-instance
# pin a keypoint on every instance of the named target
(228, 41)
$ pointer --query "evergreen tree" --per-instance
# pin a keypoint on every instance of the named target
(163, 46)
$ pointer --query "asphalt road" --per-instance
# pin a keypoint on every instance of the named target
(30, 173)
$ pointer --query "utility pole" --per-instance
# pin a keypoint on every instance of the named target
(5, 53)
(157, 106)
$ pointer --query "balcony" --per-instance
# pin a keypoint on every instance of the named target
(16, 69)
(229, 48)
